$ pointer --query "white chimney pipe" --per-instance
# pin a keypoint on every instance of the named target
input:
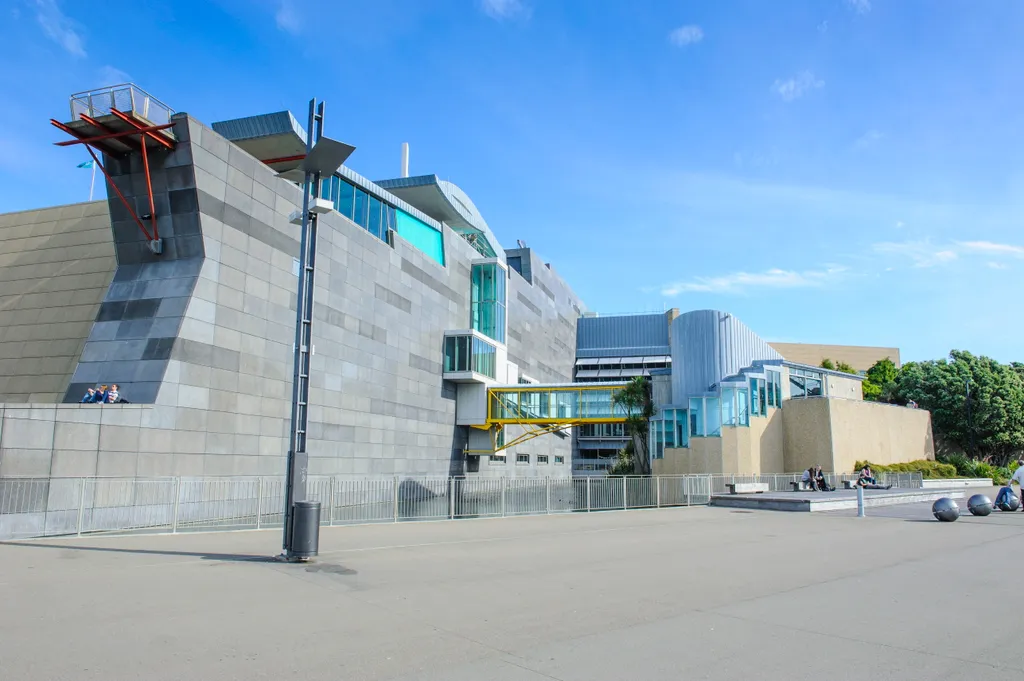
(405, 159)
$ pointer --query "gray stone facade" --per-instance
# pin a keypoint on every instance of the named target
(201, 340)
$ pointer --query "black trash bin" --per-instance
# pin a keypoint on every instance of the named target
(305, 529)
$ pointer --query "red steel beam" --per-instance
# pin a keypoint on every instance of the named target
(284, 159)
(149, 189)
(127, 205)
(100, 126)
(159, 139)
(80, 139)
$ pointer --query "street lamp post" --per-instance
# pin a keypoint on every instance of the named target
(298, 459)
(323, 157)
(970, 423)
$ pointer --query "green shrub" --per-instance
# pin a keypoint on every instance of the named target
(927, 469)
(964, 465)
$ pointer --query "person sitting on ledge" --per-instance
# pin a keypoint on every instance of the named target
(89, 397)
(113, 396)
(101, 394)
(807, 479)
(866, 476)
(863, 482)
(820, 483)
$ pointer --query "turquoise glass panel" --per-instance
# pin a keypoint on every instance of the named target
(421, 236)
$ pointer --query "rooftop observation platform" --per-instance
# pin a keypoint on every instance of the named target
(112, 118)
(660, 595)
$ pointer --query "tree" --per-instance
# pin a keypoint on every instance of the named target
(991, 424)
(880, 383)
(837, 366)
(635, 399)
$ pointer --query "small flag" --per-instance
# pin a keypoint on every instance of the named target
(87, 164)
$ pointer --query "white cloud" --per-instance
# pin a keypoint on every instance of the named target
(686, 35)
(868, 139)
(740, 282)
(504, 9)
(797, 86)
(990, 248)
(926, 254)
(59, 27)
(921, 253)
(287, 18)
(997, 265)
(859, 6)
(110, 75)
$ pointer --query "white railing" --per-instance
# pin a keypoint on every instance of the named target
(36, 507)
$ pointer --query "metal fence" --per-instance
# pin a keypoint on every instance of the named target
(36, 507)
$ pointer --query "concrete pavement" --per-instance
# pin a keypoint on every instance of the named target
(698, 593)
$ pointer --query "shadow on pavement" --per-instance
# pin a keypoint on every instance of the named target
(205, 555)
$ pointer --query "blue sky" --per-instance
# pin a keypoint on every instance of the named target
(832, 171)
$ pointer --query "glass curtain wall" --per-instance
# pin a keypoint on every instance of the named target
(469, 353)
(488, 291)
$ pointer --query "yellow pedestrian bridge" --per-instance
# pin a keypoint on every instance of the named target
(542, 409)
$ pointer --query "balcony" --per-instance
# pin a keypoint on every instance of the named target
(469, 358)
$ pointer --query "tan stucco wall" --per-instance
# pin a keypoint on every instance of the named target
(808, 439)
(767, 436)
(703, 456)
(880, 433)
(845, 388)
(860, 357)
(55, 267)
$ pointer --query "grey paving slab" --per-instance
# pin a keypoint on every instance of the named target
(699, 593)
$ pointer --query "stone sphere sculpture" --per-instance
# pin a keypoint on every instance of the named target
(946, 510)
(979, 505)
(1010, 502)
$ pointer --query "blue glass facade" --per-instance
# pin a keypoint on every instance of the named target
(379, 218)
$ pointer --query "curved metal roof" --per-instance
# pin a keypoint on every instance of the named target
(445, 201)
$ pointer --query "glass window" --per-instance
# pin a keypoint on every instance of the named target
(559, 460)
(729, 407)
(522, 458)
(542, 459)
(344, 199)
(712, 416)
(797, 388)
(755, 396)
(421, 235)
(375, 218)
(362, 215)
(697, 428)
(487, 293)
(762, 397)
(742, 407)
(497, 459)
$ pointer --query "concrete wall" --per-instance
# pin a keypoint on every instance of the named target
(844, 388)
(880, 433)
(55, 267)
(807, 435)
(205, 333)
(859, 357)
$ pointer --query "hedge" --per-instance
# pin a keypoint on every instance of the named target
(927, 469)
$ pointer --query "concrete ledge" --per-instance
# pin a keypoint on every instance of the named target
(948, 483)
(831, 501)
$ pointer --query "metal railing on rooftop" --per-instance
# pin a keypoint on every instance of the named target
(126, 97)
(37, 507)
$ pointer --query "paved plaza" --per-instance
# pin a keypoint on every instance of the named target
(690, 593)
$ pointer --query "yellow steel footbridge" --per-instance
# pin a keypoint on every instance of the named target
(542, 409)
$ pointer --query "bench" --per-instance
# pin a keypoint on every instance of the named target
(747, 487)
(801, 486)
(849, 484)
